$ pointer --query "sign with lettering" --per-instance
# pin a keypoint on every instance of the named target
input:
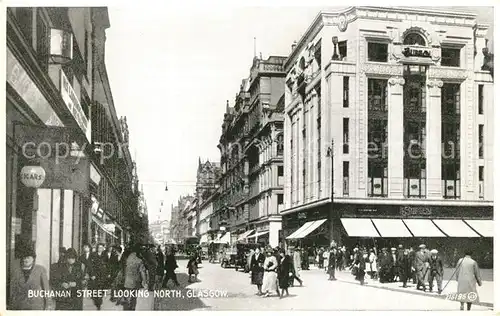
(61, 45)
(32, 176)
(408, 211)
(411, 51)
(73, 103)
(21, 82)
(367, 210)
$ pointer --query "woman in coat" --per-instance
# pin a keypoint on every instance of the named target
(359, 263)
(69, 276)
(28, 276)
(192, 267)
(332, 260)
(257, 269)
(270, 279)
(285, 271)
(372, 264)
(467, 277)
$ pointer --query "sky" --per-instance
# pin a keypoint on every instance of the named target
(171, 70)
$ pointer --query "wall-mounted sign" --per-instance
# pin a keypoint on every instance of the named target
(73, 104)
(61, 46)
(410, 51)
(407, 211)
(32, 176)
(367, 210)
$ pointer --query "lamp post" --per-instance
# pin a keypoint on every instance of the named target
(331, 155)
(335, 41)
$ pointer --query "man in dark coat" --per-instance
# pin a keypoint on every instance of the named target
(413, 271)
(69, 276)
(332, 263)
(170, 266)
(257, 269)
(385, 260)
(436, 271)
(86, 260)
(422, 267)
(161, 254)
(405, 267)
(399, 256)
(285, 268)
(151, 264)
(98, 277)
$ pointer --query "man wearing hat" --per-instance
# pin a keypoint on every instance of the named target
(26, 275)
(436, 271)
(385, 260)
(69, 276)
(422, 267)
(394, 266)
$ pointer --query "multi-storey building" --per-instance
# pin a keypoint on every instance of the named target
(57, 88)
(207, 185)
(179, 218)
(251, 159)
(394, 107)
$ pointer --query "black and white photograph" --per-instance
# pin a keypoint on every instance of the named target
(163, 156)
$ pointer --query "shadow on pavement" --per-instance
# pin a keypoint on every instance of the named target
(180, 301)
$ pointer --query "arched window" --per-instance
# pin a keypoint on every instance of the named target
(279, 145)
(414, 39)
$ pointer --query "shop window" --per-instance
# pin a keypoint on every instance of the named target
(24, 17)
(415, 179)
(346, 135)
(377, 179)
(42, 40)
(377, 94)
(345, 178)
(480, 98)
(481, 141)
(346, 91)
(450, 99)
(377, 137)
(450, 174)
(343, 50)
(377, 52)
(450, 57)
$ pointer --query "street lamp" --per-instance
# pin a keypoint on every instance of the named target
(331, 154)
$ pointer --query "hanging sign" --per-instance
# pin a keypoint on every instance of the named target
(32, 176)
(416, 52)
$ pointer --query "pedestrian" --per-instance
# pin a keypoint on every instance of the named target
(27, 275)
(192, 267)
(86, 260)
(413, 270)
(394, 266)
(296, 267)
(399, 257)
(467, 276)
(70, 276)
(385, 266)
(285, 272)
(359, 264)
(405, 267)
(135, 277)
(319, 258)
(161, 254)
(151, 264)
(170, 266)
(257, 269)
(422, 267)
(112, 264)
(270, 277)
(332, 260)
(326, 255)
(436, 270)
(372, 260)
(98, 278)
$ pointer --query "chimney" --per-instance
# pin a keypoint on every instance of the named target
(294, 45)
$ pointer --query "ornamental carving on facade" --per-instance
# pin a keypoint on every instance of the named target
(396, 81)
(394, 70)
(435, 83)
(447, 73)
(341, 21)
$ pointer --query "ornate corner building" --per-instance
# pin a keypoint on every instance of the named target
(250, 195)
(389, 128)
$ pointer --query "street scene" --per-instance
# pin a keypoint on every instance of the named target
(160, 158)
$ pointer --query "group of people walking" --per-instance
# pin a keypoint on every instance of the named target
(97, 268)
(273, 270)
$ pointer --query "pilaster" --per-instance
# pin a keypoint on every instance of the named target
(433, 140)
(395, 137)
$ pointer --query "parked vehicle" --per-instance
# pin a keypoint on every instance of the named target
(236, 256)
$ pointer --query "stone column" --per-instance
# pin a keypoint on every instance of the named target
(395, 138)
(433, 140)
(274, 228)
(335, 125)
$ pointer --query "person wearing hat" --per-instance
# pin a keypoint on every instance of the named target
(69, 277)
(385, 260)
(436, 271)
(394, 266)
(422, 267)
(26, 275)
(467, 276)
(257, 269)
(270, 278)
(332, 260)
(135, 277)
(405, 267)
(296, 266)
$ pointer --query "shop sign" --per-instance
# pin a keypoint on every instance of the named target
(302, 215)
(73, 103)
(408, 211)
(32, 176)
(19, 79)
(410, 51)
(367, 210)
(61, 45)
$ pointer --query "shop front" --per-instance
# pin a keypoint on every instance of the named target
(449, 229)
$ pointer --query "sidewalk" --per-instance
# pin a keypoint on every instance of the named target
(485, 291)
